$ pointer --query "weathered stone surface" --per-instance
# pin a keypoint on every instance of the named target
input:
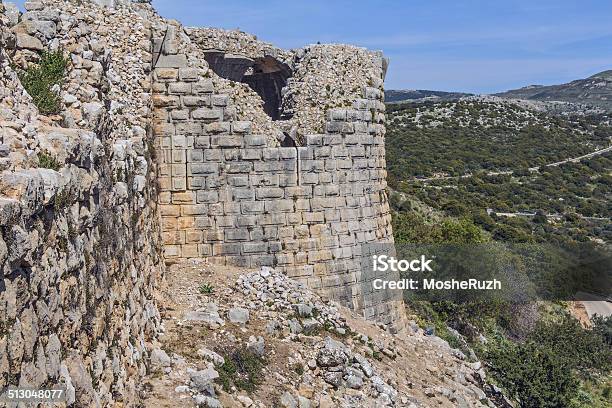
(244, 400)
(208, 314)
(334, 199)
(160, 359)
(202, 380)
(65, 220)
(211, 356)
(304, 310)
(28, 42)
(238, 315)
(87, 235)
(12, 12)
(256, 345)
(172, 61)
(288, 401)
(332, 354)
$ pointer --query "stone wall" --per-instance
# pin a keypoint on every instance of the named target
(80, 239)
(79, 232)
(309, 211)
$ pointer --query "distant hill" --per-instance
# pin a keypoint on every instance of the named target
(425, 139)
(421, 95)
(595, 90)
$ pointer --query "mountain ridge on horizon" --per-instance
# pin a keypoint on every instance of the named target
(595, 90)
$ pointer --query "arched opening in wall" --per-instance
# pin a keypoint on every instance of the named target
(267, 76)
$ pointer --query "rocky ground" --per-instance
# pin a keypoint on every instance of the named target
(222, 324)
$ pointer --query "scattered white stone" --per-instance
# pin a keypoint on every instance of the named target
(160, 359)
(238, 315)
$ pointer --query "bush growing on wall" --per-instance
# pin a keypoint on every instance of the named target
(40, 79)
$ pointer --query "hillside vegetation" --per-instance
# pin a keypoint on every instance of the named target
(461, 137)
(474, 173)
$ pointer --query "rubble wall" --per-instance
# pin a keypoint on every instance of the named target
(79, 232)
(309, 210)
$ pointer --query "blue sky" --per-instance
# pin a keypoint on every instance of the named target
(476, 46)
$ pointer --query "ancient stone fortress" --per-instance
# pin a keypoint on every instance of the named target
(173, 143)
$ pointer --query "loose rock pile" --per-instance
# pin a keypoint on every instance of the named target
(281, 297)
(317, 354)
(327, 76)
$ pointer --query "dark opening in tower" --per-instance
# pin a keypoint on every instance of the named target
(267, 76)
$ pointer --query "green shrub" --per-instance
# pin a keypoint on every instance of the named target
(298, 368)
(535, 376)
(242, 369)
(39, 79)
(46, 161)
(545, 370)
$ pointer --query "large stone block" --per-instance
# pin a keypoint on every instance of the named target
(242, 194)
(240, 234)
(166, 101)
(239, 167)
(228, 141)
(241, 126)
(179, 88)
(251, 154)
(254, 207)
(255, 247)
(204, 86)
(202, 168)
(172, 61)
(193, 236)
(206, 114)
(227, 249)
(189, 251)
(271, 219)
(207, 196)
(196, 101)
(269, 192)
(261, 180)
(217, 128)
(254, 140)
(189, 74)
(166, 74)
(189, 210)
(279, 206)
(246, 221)
(220, 100)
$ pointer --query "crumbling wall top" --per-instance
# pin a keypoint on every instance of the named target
(236, 42)
(328, 76)
(322, 76)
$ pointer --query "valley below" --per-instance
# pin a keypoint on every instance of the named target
(532, 169)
